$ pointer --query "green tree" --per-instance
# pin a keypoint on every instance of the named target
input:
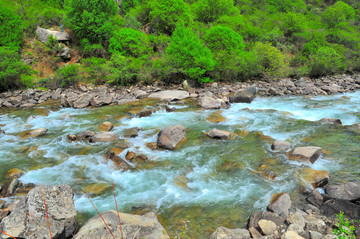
(165, 15)
(326, 61)
(13, 72)
(91, 19)
(338, 14)
(129, 42)
(11, 29)
(221, 38)
(188, 56)
(211, 10)
(123, 70)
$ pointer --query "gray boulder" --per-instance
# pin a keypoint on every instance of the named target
(220, 134)
(246, 95)
(170, 137)
(28, 219)
(207, 102)
(44, 34)
(104, 137)
(280, 145)
(83, 101)
(310, 153)
(281, 205)
(170, 95)
(330, 121)
(133, 226)
(225, 233)
(348, 191)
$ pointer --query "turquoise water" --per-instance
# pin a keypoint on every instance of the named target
(205, 183)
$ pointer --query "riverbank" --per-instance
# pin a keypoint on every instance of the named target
(102, 95)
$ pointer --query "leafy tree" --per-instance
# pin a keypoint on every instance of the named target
(221, 38)
(338, 14)
(188, 56)
(286, 5)
(325, 61)
(129, 42)
(122, 70)
(66, 76)
(11, 29)
(270, 58)
(165, 15)
(211, 10)
(91, 19)
(13, 72)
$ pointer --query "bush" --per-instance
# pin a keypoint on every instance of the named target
(92, 50)
(327, 61)
(129, 42)
(96, 70)
(338, 15)
(122, 70)
(13, 72)
(286, 5)
(165, 15)
(66, 76)
(270, 58)
(91, 19)
(188, 56)
(221, 38)
(11, 29)
(211, 10)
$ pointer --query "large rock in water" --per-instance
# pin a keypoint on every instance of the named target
(104, 137)
(246, 95)
(83, 101)
(133, 226)
(28, 219)
(207, 102)
(348, 191)
(170, 95)
(220, 134)
(225, 233)
(44, 34)
(33, 133)
(310, 153)
(171, 137)
(280, 145)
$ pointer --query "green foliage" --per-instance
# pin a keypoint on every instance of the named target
(95, 50)
(129, 42)
(221, 38)
(286, 5)
(345, 229)
(91, 19)
(165, 15)
(96, 70)
(13, 72)
(338, 15)
(211, 10)
(11, 29)
(270, 58)
(326, 61)
(188, 56)
(66, 76)
(122, 70)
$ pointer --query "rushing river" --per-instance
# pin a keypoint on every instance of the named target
(205, 183)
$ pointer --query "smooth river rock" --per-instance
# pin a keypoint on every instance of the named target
(171, 137)
(310, 153)
(207, 102)
(244, 96)
(281, 205)
(33, 133)
(104, 137)
(280, 145)
(220, 134)
(170, 95)
(28, 219)
(133, 226)
(226, 233)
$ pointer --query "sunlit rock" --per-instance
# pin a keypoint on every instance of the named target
(14, 173)
(171, 137)
(96, 189)
(280, 204)
(33, 133)
(151, 145)
(170, 95)
(348, 191)
(330, 121)
(226, 233)
(220, 134)
(317, 178)
(280, 145)
(104, 137)
(310, 153)
(244, 96)
(207, 102)
(106, 126)
(216, 117)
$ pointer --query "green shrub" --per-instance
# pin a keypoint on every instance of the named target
(286, 5)
(345, 230)
(91, 19)
(92, 50)
(338, 14)
(165, 15)
(13, 72)
(188, 56)
(66, 76)
(129, 42)
(327, 61)
(270, 58)
(240, 25)
(96, 70)
(221, 38)
(211, 10)
(11, 29)
(122, 70)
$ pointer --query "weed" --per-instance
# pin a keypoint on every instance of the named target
(345, 229)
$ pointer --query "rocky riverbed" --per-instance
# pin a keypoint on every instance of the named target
(186, 162)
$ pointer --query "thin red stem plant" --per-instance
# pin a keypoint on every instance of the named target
(117, 209)
(47, 215)
(101, 218)
(7, 234)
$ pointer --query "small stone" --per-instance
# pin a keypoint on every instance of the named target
(280, 205)
(225, 233)
(12, 187)
(291, 235)
(104, 137)
(33, 133)
(316, 235)
(254, 233)
(220, 134)
(280, 145)
(130, 155)
(151, 145)
(267, 227)
(14, 173)
(106, 126)
(310, 153)
(131, 133)
(296, 219)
